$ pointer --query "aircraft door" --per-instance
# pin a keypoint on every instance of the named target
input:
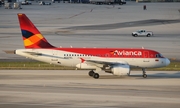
(54, 58)
(146, 56)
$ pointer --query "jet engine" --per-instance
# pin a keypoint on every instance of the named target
(85, 66)
(120, 69)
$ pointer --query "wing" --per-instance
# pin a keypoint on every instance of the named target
(104, 63)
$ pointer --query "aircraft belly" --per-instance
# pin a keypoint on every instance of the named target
(69, 62)
(140, 62)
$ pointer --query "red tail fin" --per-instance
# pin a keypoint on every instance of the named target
(31, 36)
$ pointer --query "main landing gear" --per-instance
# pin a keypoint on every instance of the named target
(144, 73)
(93, 74)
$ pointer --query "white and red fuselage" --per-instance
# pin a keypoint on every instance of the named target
(76, 57)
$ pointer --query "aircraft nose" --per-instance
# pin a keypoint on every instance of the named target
(167, 61)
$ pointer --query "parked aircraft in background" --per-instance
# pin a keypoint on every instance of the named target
(112, 60)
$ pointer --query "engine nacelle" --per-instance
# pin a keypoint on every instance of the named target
(85, 66)
(120, 69)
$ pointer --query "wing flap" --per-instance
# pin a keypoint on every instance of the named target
(99, 63)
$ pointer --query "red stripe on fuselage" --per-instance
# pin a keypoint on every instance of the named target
(113, 52)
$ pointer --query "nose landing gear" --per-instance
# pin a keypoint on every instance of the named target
(144, 73)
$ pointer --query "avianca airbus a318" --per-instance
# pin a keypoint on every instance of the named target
(112, 60)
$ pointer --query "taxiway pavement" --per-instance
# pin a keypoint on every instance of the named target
(75, 89)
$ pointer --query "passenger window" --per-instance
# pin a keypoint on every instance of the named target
(107, 55)
(98, 55)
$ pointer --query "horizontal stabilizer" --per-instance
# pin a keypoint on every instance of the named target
(9, 51)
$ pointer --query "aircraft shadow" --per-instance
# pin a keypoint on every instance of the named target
(159, 75)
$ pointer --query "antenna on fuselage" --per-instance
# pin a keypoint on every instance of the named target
(142, 47)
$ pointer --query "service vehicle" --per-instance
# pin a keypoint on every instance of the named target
(44, 3)
(24, 2)
(142, 33)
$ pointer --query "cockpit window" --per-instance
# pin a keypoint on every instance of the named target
(159, 56)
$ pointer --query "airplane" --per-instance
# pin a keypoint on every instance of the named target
(116, 61)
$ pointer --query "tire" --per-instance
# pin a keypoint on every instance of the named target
(132, 34)
(91, 73)
(148, 35)
(96, 75)
(135, 35)
(144, 76)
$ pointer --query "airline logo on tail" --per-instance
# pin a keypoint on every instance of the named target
(31, 36)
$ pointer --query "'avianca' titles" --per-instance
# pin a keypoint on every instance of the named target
(123, 52)
(116, 61)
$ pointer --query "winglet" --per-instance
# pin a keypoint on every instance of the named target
(31, 36)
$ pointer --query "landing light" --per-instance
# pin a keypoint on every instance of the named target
(157, 60)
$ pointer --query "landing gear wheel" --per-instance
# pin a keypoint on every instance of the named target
(144, 75)
(91, 73)
(96, 75)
